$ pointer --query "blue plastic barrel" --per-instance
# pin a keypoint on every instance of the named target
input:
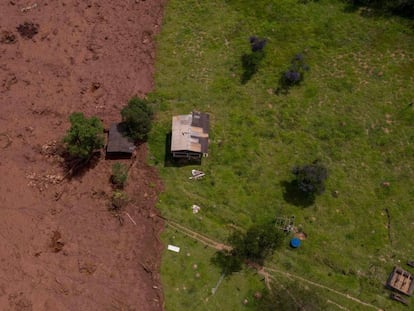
(295, 242)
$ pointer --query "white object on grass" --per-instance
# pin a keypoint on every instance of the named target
(173, 248)
(195, 209)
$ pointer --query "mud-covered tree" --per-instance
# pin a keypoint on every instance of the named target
(311, 178)
(84, 136)
(137, 117)
(119, 175)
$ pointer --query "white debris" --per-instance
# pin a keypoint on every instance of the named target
(195, 209)
(196, 174)
(173, 248)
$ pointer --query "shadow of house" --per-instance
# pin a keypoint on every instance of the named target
(190, 136)
(119, 146)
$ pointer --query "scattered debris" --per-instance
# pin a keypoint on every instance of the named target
(195, 208)
(213, 290)
(410, 263)
(385, 184)
(173, 248)
(7, 37)
(29, 7)
(28, 30)
(398, 298)
(258, 295)
(197, 174)
(85, 267)
(5, 140)
(389, 225)
(301, 235)
(129, 216)
(285, 223)
(57, 243)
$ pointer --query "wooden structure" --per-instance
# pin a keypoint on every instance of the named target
(401, 281)
(287, 224)
(119, 145)
(189, 137)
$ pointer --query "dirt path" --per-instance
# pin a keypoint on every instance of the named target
(266, 272)
(60, 248)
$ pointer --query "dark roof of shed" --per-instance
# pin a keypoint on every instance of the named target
(118, 142)
(200, 119)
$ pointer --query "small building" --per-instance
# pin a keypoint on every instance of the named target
(119, 145)
(401, 281)
(189, 137)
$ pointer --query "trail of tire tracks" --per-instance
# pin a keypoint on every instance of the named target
(265, 271)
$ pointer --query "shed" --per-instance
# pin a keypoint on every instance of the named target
(401, 281)
(119, 144)
(190, 135)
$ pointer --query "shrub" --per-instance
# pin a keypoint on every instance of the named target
(294, 75)
(119, 199)
(136, 117)
(311, 178)
(84, 137)
(119, 175)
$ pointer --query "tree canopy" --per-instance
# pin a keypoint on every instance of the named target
(311, 178)
(137, 116)
(84, 136)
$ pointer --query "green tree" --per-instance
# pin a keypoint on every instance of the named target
(311, 178)
(258, 243)
(119, 175)
(84, 136)
(137, 116)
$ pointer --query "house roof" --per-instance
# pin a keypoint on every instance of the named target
(190, 132)
(118, 142)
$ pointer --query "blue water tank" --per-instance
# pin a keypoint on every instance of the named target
(295, 242)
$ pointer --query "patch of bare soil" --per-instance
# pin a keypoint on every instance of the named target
(60, 247)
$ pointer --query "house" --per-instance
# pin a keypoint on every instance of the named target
(119, 145)
(401, 281)
(189, 137)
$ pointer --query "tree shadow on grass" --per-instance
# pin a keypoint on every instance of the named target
(294, 196)
(170, 161)
(250, 63)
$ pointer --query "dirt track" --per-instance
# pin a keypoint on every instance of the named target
(60, 249)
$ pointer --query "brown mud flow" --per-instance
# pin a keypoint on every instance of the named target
(60, 247)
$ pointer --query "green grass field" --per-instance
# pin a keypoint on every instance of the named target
(351, 112)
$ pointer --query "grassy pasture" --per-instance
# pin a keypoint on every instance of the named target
(351, 112)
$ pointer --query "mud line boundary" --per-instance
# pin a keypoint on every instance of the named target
(220, 246)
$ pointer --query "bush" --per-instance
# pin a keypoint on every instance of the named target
(84, 137)
(136, 117)
(119, 175)
(119, 199)
(294, 75)
(311, 178)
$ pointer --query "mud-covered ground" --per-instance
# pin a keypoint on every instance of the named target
(60, 247)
